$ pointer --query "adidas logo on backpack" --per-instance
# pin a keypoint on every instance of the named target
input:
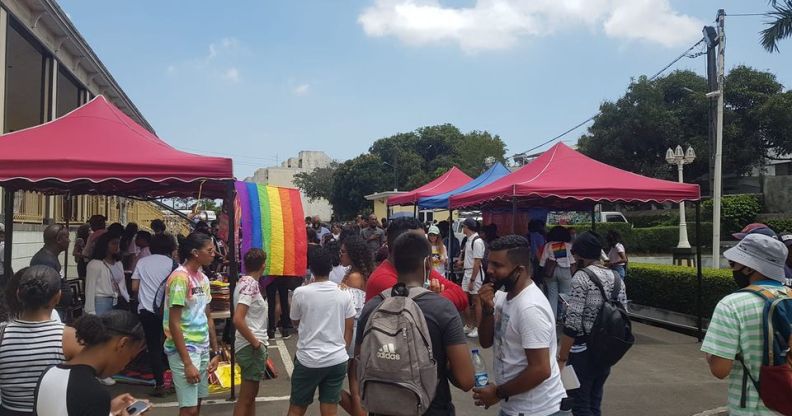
(388, 352)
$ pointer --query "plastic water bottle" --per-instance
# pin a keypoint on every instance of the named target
(479, 369)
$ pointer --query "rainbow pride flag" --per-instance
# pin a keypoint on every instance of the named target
(272, 220)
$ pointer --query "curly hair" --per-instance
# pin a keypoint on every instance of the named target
(361, 256)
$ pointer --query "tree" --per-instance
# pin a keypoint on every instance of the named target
(634, 132)
(409, 160)
(317, 184)
(780, 27)
(353, 180)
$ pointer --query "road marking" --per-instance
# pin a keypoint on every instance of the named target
(714, 412)
(211, 402)
(285, 356)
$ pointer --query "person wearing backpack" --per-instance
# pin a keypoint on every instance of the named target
(428, 323)
(148, 284)
(734, 344)
(324, 315)
(585, 304)
(520, 324)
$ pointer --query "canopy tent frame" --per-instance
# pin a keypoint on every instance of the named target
(564, 179)
(60, 158)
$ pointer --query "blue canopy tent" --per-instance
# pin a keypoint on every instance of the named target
(443, 200)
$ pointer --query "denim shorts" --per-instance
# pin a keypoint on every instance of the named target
(187, 393)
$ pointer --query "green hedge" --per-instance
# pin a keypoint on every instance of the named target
(737, 211)
(653, 220)
(651, 240)
(780, 225)
(674, 287)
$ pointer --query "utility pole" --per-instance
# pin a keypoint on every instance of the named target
(718, 187)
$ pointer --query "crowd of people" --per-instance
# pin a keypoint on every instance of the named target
(368, 282)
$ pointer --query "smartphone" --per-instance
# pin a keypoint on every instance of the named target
(138, 407)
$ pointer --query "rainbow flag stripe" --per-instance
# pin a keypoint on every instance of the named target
(272, 219)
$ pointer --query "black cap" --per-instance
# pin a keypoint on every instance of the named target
(471, 223)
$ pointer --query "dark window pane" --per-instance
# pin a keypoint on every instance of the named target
(68, 97)
(24, 100)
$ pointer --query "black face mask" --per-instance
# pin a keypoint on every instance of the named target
(509, 282)
(740, 279)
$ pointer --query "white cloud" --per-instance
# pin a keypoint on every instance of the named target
(223, 46)
(302, 90)
(231, 74)
(171, 69)
(500, 24)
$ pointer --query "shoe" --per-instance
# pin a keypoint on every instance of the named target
(107, 381)
(271, 335)
(286, 334)
(162, 391)
(473, 333)
(467, 328)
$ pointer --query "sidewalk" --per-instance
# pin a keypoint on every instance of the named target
(663, 375)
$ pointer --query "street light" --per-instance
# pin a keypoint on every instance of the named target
(681, 158)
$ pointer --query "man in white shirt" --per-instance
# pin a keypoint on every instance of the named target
(520, 324)
(474, 274)
(148, 283)
(324, 315)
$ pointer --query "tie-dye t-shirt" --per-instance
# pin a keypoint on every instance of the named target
(193, 294)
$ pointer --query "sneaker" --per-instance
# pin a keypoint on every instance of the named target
(286, 334)
(473, 333)
(271, 335)
(107, 381)
(467, 328)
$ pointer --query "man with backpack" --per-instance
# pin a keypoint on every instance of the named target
(594, 289)
(425, 323)
(520, 324)
(148, 284)
(473, 278)
(749, 335)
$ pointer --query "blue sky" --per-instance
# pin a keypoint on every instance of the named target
(260, 80)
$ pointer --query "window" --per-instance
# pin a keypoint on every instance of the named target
(25, 80)
(614, 218)
(69, 94)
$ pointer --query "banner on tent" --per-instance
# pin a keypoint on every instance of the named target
(272, 220)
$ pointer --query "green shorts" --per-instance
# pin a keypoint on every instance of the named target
(305, 380)
(253, 363)
(187, 393)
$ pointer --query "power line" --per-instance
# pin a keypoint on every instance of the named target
(685, 54)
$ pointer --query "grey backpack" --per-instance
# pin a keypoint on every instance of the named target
(397, 369)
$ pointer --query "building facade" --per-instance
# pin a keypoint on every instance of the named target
(283, 175)
(47, 69)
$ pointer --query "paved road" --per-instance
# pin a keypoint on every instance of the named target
(663, 375)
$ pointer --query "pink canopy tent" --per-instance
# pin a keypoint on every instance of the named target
(446, 182)
(97, 149)
(562, 177)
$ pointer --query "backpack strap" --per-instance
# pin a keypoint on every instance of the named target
(593, 277)
(746, 376)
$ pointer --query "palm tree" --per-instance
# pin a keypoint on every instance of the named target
(781, 25)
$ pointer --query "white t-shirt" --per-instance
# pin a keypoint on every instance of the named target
(474, 249)
(338, 273)
(151, 271)
(526, 322)
(248, 293)
(613, 254)
(322, 309)
(559, 252)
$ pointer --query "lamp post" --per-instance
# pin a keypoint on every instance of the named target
(679, 158)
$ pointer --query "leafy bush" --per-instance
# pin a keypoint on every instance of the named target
(653, 239)
(780, 225)
(674, 287)
(653, 220)
(737, 211)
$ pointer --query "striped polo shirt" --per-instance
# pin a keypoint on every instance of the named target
(736, 328)
(28, 348)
